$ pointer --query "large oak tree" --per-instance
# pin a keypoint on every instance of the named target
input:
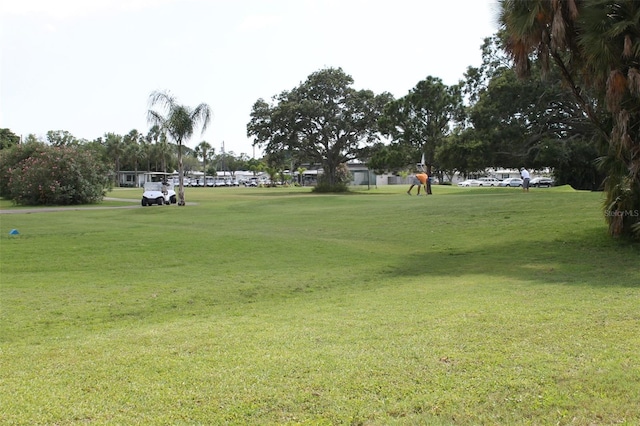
(323, 121)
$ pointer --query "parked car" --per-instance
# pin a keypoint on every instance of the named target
(541, 182)
(468, 182)
(486, 181)
(514, 182)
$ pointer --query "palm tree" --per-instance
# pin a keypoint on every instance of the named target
(203, 150)
(301, 171)
(115, 149)
(165, 150)
(595, 44)
(179, 122)
(132, 151)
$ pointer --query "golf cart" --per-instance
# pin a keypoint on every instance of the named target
(158, 193)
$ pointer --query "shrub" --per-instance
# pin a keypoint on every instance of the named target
(324, 187)
(340, 182)
(11, 157)
(38, 174)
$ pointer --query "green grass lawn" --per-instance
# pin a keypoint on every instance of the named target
(278, 306)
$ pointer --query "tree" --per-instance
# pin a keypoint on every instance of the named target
(462, 152)
(205, 151)
(391, 157)
(301, 171)
(180, 122)
(61, 138)
(147, 151)
(115, 150)
(133, 150)
(166, 151)
(420, 121)
(324, 121)
(255, 166)
(31, 138)
(235, 162)
(517, 122)
(595, 45)
(8, 139)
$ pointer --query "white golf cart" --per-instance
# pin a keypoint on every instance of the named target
(158, 193)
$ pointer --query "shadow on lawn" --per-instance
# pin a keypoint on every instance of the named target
(592, 258)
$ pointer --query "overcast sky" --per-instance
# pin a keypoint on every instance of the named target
(88, 66)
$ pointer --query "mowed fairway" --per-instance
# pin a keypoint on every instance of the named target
(278, 306)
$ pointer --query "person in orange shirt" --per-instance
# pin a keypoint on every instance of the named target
(419, 179)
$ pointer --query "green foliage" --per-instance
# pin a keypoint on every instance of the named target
(8, 139)
(10, 158)
(515, 122)
(61, 138)
(37, 174)
(340, 182)
(418, 125)
(392, 157)
(256, 165)
(179, 122)
(575, 163)
(463, 152)
(422, 119)
(323, 121)
(595, 47)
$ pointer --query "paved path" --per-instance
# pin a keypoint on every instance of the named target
(74, 208)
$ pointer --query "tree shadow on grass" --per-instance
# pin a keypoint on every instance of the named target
(591, 258)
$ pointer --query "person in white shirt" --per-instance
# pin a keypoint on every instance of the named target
(525, 179)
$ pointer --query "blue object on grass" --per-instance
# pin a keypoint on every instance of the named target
(13, 232)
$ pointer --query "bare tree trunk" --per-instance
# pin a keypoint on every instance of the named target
(181, 201)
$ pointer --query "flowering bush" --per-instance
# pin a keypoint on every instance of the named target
(337, 183)
(38, 174)
(10, 157)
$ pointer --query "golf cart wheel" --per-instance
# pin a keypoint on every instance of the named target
(144, 202)
(160, 201)
(173, 199)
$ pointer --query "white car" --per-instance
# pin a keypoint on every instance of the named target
(158, 193)
(468, 182)
(513, 182)
(486, 181)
